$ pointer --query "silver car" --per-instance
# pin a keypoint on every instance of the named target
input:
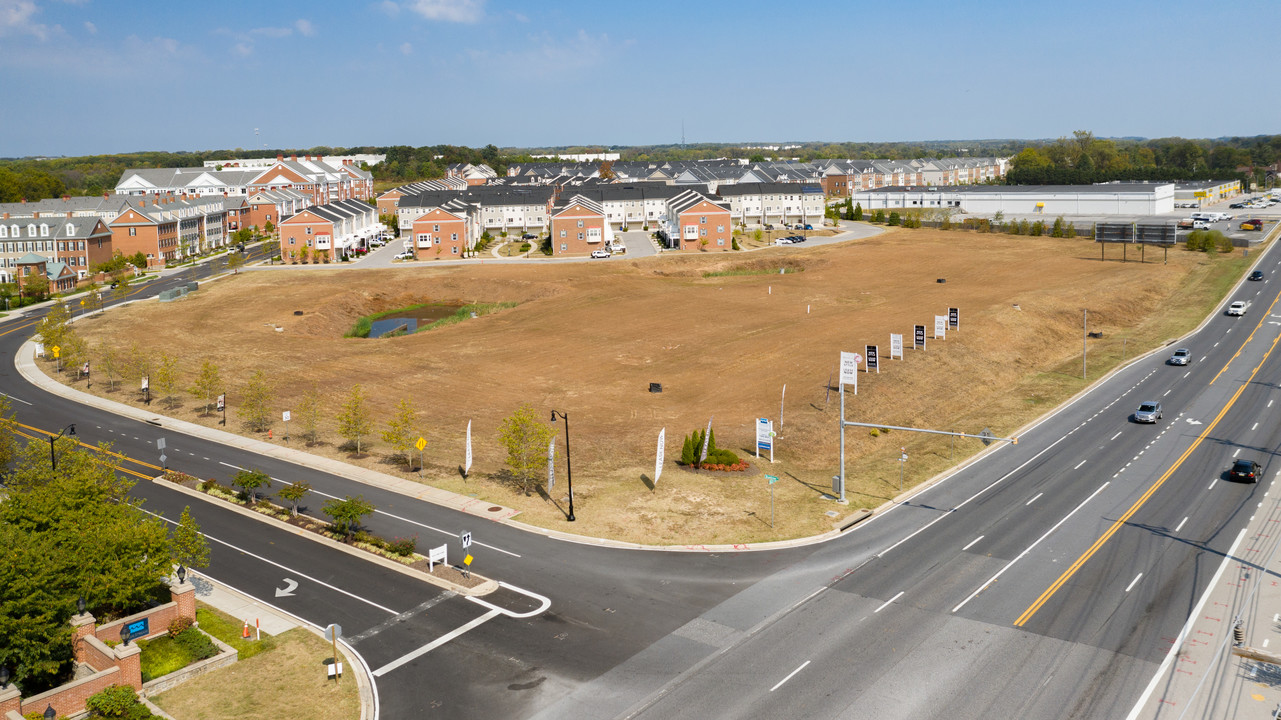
(1148, 412)
(1180, 356)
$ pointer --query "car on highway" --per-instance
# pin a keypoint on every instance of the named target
(1181, 356)
(1149, 412)
(1256, 275)
(1237, 308)
(600, 254)
(1245, 470)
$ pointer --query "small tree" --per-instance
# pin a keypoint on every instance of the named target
(208, 384)
(525, 437)
(255, 404)
(250, 481)
(8, 441)
(354, 421)
(400, 433)
(293, 494)
(190, 549)
(894, 218)
(757, 234)
(858, 212)
(165, 378)
(54, 325)
(1069, 230)
(347, 513)
(268, 227)
(235, 261)
(35, 287)
(1057, 229)
(309, 414)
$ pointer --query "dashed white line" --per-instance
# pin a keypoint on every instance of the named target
(789, 676)
(1116, 435)
(886, 604)
(1029, 502)
(1132, 582)
(1167, 392)
(1238, 452)
(1254, 427)
(967, 547)
(1211, 485)
(1078, 465)
(1180, 525)
(1203, 357)
(1216, 345)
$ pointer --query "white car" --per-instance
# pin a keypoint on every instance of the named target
(783, 241)
(406, 255)
(1181, 356)
(600, 254)
(1237, 308)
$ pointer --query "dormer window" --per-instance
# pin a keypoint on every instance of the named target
(31, 230)
(71, 229)
(4, 231)
(44, 230)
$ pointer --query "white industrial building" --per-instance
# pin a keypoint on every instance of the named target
(1051, 200)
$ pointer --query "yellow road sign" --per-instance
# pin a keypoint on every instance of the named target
(467, 561)
(420, 444)
(56, 350)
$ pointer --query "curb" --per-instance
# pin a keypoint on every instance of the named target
(484, 588)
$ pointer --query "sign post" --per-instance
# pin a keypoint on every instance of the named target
(896, 346)
(332, 632)
(551, 465)
(902, 460)
(849, 373)
(222, 407)
(420, 444)
(918, 337)
(285, 416)
(160, 445)
(771, 479)
(873, 359)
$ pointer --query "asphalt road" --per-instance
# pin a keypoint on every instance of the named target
(940, 607)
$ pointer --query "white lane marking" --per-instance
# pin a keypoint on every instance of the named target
(390, 515)
(1187, 627)
(1269, 403)
(1167, 392)
(285, 568)
(1117, 435)
(1180, 525)
(1216, 345)
(1238, 452)
(1029, 548)
(1187, 373)
(24, 402)
(1203, 357)
(1211, 485)
(1132, 582)
(1078, 465)
(1254, 427)
(887, 602)
(967, 547)
(789, 676)
(1029, 502)
(410, 657)
(543, 602)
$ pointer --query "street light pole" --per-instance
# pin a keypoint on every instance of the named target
(569, 468)
(70, 431)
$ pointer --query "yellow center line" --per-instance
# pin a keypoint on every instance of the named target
(1248, 338)
(135, 473)
(87, 446)
(1067, 574)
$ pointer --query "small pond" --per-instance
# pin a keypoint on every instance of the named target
(412, 319)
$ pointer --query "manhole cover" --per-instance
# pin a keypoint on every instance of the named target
(495, 508)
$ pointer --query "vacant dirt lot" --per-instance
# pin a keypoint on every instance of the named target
(588, 338)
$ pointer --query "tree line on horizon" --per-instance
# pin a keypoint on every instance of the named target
(1080, 159)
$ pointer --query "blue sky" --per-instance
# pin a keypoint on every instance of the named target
(92, 76)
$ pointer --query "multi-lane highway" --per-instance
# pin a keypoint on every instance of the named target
(1046, 580)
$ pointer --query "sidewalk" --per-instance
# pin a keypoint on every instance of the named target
(242, 607)
(1201, 677)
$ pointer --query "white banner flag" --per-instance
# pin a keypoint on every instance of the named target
(551, 464)
(658, 461)
(940, 327)
(707, 436)
(467, 461)
(896, 346)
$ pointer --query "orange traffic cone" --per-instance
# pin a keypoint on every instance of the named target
(245, 633)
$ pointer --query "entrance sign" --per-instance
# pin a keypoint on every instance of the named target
(918, 337)
(658, 458)
(765, 437)
(707, 436)
(940, 327)
(896, 346)
(954, 318)
(437, 555)
(873, 359)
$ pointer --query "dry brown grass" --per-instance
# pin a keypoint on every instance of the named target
(587, 338)
(287, 682)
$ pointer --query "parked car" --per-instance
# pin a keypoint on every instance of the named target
(799, 238)
(1256, 275)
(808, 227)
(1252, 224)
(1148, 412)
(1245, 470)
(1237, 308)
(1180, 357)
(1236, 206)
(769, 226)
(528, 236)
(406, 255)
(783, 241)
(600, 254)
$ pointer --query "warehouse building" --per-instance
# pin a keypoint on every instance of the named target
(1051, 200)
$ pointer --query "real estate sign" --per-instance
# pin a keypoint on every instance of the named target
(896, 346)
(954, 318)
(849, 369)
(918, 337)
(551, 464)
(940, 327)
(873, 359)
(467, 460)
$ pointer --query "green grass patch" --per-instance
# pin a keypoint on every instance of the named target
(363, 325)
(227, 629)
(464, 313)
(754, 271)
(163, 655)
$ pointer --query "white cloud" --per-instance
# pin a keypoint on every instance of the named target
(273, 32)
(304, 27)
(460, 11)
(17, 18)
(389, 7)
(243, 49)
(91, 28)
(406, 49)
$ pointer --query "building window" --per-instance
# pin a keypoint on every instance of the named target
(454, 250)
(563, 247)
(453, 237)
(720, 241)
(562, 234)
(580, 236)
(580, 223)
(308, 231)
(720, 228)
(702, 219)
(133, 232)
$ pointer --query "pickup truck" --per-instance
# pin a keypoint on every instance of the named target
(1194, 224)
(1238, 307)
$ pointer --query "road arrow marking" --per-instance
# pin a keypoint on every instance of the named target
(1194, 422)
(290, 586)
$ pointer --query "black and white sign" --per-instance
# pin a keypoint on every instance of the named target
(896, 346)
(954, 318)
(873, 359)
(466, 539)
(286, 416)
(918, 337)
(940, 327)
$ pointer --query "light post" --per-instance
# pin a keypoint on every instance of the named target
(124, 634)
(569, 469)
(50, 713)
(69, 431)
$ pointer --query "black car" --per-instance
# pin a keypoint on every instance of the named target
(1245, 470)
(1256, 275)
(528, 236)
(1237, 205)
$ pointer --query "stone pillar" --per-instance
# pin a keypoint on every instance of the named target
(82, 626)
(10, 699)
(184, 596)
(129, 660)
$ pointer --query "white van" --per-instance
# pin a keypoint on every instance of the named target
(1208, 217)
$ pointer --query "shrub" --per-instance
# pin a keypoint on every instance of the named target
(196, 644)
(894, 218)
(733, 243)
(1069, 230)
(524, 247)
(858, 212)
(721, 456)
(178, 625)
(403, 547)
(874, 432)
(210, 484)
(116, 701)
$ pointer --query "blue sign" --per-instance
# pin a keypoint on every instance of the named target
(138, 628)
(764, 434)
